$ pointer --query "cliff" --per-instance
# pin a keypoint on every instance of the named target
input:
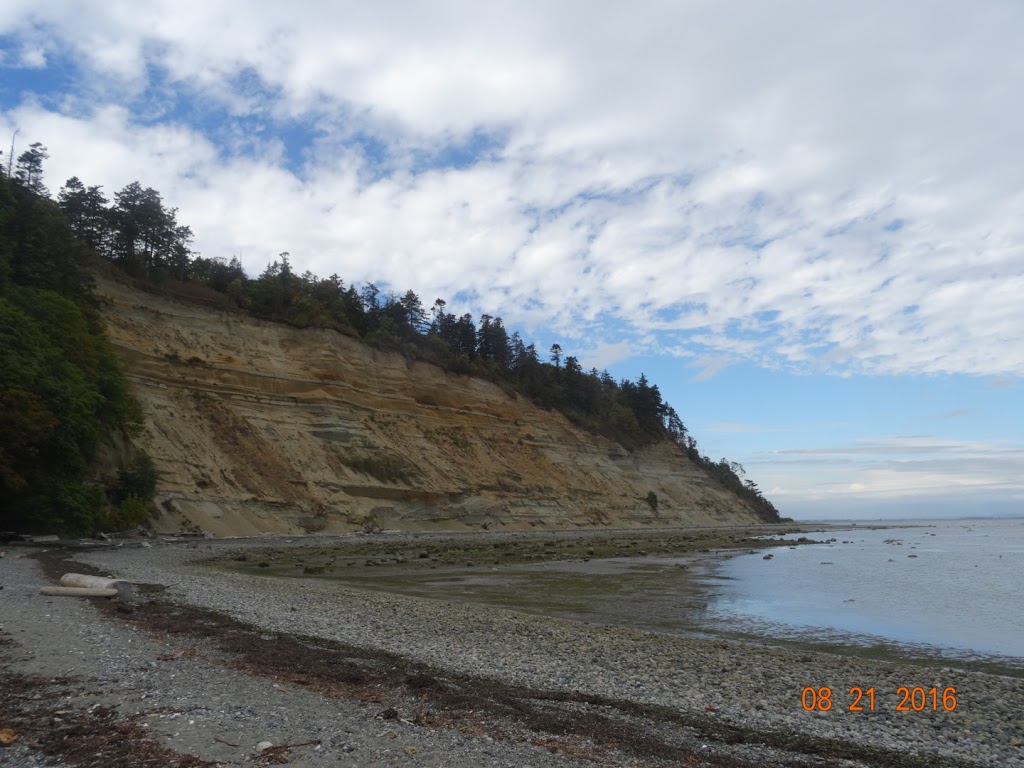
(260, 427)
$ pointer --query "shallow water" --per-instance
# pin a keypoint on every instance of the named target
(947, 588)
(661, 593)
(956, 587)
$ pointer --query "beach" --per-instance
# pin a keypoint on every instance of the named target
(708, 700)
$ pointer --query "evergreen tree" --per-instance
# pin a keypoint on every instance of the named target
(147, 240)
(47, 246)
(556, 355)
(86, 211)
(415, 315)
(29, 171)
(464, 336)
(62, 391)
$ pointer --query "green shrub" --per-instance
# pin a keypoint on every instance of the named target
(130, 513)
(137, 480)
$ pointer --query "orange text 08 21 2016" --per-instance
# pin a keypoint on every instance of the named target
(859, 699)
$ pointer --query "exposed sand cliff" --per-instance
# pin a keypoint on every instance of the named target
(259, 427)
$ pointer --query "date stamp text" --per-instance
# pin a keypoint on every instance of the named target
(858, 699)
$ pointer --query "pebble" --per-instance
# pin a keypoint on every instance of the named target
(749, 685)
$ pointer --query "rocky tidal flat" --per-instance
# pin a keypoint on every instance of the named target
(473, 684)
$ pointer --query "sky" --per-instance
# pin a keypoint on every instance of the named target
(803, 221)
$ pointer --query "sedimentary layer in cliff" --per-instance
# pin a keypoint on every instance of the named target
(260, 427)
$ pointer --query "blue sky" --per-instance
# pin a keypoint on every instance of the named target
(803, 221)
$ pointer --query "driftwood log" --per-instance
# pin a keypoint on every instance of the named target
(78, 592)
(81, 585)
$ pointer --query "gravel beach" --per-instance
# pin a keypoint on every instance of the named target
(198, 704)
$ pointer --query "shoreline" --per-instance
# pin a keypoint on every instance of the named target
(748, 690)
(754, 686)
(396, 563)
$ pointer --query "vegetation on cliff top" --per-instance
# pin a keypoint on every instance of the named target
(142, 237)
(62, 391)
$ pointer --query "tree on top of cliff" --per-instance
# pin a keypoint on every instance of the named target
(142, 236)
(62, 391)
(29, 171)
(86, 212)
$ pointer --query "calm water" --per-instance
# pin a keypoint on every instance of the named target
(955, 586)
(951, 588)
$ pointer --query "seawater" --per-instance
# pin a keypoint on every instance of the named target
(955, 587)
(950, 588)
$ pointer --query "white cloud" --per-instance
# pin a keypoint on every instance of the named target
(604, 355)
(32, 58)
(866, 475)
(851, 170)
(710, 367)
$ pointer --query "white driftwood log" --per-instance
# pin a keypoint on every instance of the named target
(78, 592)
(124, 589)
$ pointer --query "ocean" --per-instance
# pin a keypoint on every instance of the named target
(942, 589)
(947, 587)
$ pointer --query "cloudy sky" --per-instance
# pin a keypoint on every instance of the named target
(803, 220)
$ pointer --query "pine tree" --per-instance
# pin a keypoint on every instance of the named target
(87, 213)
(556, 355)
(29, 171)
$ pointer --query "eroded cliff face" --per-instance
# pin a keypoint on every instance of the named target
(258, 427)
